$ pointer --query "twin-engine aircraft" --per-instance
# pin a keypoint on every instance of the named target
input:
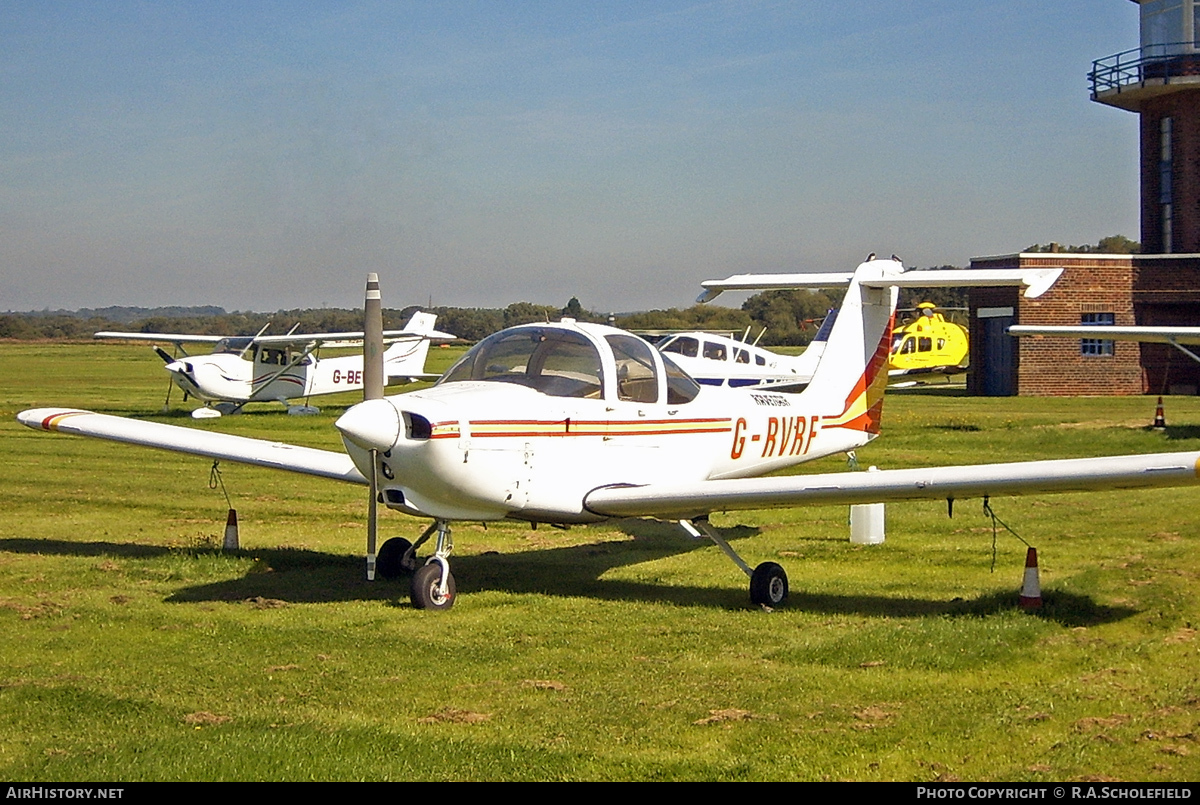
(279, 368)
(717, 360)
(578, 423)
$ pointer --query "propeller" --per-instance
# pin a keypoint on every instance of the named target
(372, 390)
(168, 359)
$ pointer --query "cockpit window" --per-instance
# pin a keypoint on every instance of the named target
(637, 377)
(557, 362)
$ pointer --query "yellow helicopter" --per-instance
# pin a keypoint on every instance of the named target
(928, 343)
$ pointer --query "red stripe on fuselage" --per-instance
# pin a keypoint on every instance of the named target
(529, 428)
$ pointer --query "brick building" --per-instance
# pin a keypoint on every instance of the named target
(1160, 81)
(1116, 289)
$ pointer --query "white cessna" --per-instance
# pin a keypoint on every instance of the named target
(576, 423)
(267, 368)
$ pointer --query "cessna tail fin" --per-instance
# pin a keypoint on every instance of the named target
(405, 358)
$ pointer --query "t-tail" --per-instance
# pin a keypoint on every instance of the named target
(852, 375)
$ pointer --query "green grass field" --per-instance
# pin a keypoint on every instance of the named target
(132, 649)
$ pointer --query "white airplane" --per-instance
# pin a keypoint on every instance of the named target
(717, 360)
(720, 361)
(1175, 336)
(577, 423)
(265, 368)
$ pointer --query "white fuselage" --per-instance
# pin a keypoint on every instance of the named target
(488, 458)
(717, 360)
(534, 418)
(272, 374)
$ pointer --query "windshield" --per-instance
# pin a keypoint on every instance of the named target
(557, 362)
(236, 345)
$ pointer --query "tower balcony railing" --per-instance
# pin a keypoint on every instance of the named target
(1159, 63)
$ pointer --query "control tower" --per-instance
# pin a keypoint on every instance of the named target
(1160, 81)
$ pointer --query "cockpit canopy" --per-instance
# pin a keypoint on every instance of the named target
(581, 361)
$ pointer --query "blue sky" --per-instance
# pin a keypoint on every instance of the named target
(268, 155)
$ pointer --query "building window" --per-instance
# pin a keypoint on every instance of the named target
(1164, 26)
(1096, 346)
(1165, 184)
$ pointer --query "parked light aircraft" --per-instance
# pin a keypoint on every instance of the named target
(266, 368)
(1175, 336)
(717, 360)
(926, 345)
(576, 423)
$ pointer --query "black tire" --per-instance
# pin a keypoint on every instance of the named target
(389, 562)
(768, 585)
(425, 584)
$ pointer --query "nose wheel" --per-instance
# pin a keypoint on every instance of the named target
(432, 584)
(433, 587)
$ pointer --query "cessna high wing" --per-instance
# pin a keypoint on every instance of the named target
(577, 423)
(1175, 336)
(269, 368)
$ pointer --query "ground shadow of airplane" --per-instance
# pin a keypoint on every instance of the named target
(284, 576)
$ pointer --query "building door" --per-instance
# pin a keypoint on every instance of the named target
(998, 351)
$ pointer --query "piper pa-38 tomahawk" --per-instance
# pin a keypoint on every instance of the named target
(577, 423)
(266, 368)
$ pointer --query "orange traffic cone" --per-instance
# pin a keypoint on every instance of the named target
(231, 531)
(1160, 422)
(1031, 590)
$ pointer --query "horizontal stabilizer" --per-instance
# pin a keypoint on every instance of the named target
(1036, 281)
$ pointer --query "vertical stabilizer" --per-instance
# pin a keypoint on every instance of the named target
(850, 379)
(406, 358)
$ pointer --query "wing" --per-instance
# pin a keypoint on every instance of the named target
(1021, 478)
(171, 338)
(351, 339)
(420, 325)
(259, 452)
(1104, 332)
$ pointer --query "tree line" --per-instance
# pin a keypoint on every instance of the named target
(777, 318)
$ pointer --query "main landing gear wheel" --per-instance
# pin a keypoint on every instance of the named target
(768, 585)
(389, 562)
(426, 588)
